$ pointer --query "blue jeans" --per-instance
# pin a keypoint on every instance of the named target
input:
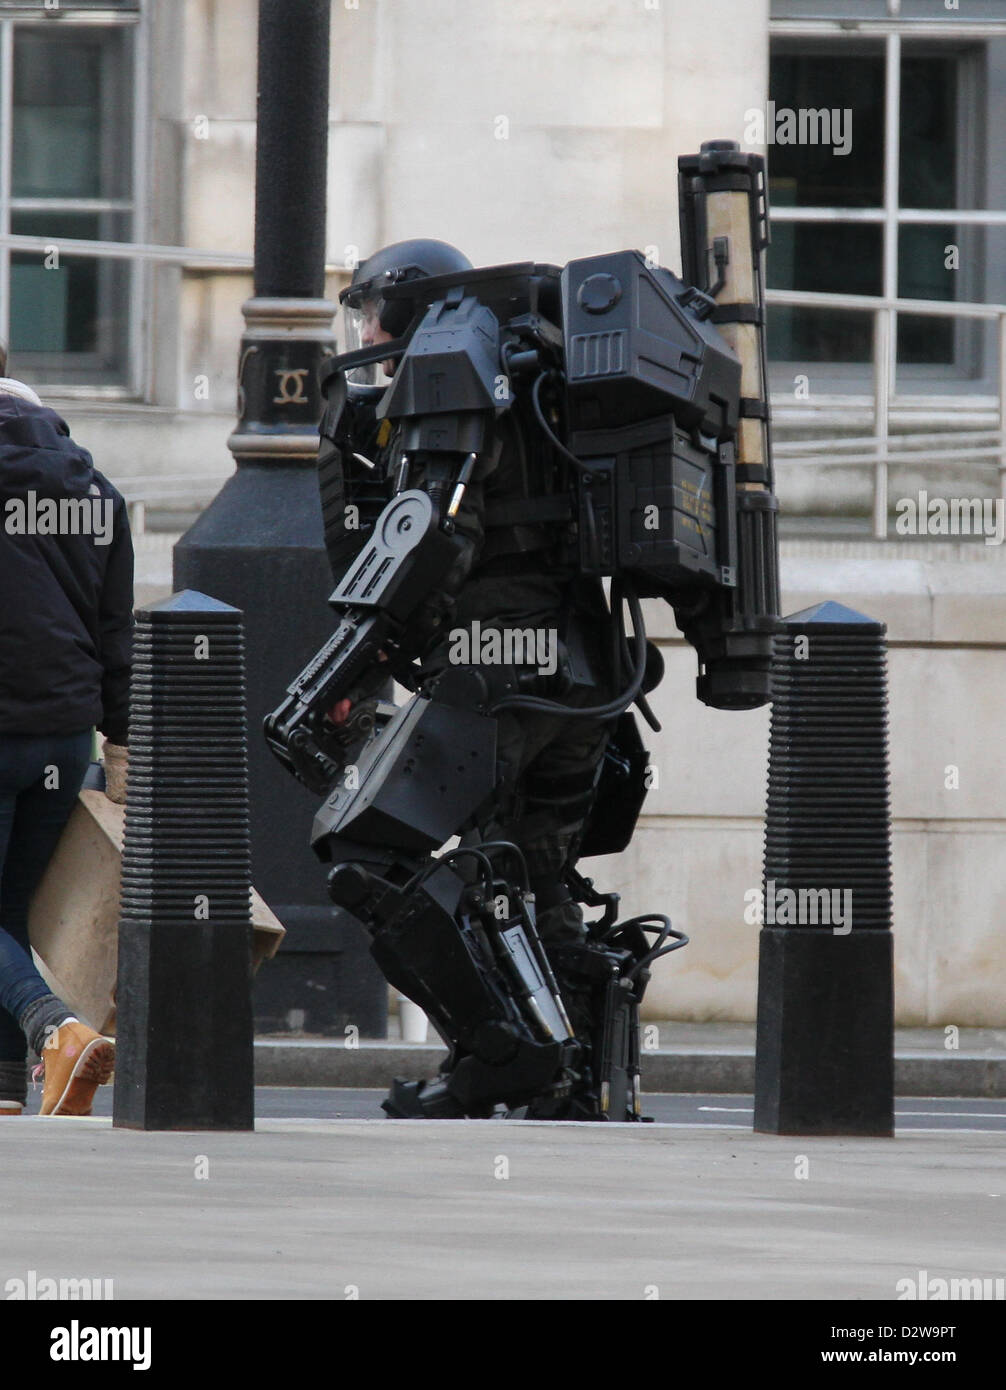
(40, 778)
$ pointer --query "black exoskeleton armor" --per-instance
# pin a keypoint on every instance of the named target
(545, 430)
(351, 471)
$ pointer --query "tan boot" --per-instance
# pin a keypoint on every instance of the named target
(77, 1060)
(10, 1107)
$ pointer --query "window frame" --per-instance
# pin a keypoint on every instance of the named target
(135, 207)
(974, 369)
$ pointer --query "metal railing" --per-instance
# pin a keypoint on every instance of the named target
(881, 448)
(185, 490)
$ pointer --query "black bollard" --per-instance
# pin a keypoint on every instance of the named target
(184, 1020)
(825, 1040)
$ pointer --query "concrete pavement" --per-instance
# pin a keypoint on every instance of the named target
(495, 1210)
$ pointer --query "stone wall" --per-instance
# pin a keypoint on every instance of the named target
(699, 846)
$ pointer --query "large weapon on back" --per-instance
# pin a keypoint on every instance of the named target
(667, 413)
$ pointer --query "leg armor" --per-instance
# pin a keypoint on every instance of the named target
(603, 979)
(458, 934)
(455, 934)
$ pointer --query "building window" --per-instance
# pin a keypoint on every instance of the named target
(66, 99)
(928, 99)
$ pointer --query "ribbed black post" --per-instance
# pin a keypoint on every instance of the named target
(184, 1028)
(825, 1047)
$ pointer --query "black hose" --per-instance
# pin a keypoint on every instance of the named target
(423, 874)
(513, 849)
(642, 703)
(613, 707)
(648, 922)
(549, 432)
(640, 699)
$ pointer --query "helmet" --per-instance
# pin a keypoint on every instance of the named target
(404, 260)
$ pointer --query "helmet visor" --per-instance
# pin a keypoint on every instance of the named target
(361, 328)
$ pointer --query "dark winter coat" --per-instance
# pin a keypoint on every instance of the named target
(66, 582)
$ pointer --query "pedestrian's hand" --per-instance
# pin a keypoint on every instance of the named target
(116, 763)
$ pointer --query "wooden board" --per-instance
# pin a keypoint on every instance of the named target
(74, 919)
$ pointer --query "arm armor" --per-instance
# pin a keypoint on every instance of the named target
(399, 590)
(351, 478)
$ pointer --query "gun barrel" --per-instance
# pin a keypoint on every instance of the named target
(723, 210)
(293, 730)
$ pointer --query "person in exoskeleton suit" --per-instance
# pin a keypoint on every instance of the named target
(537, 429)
(510, 577)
